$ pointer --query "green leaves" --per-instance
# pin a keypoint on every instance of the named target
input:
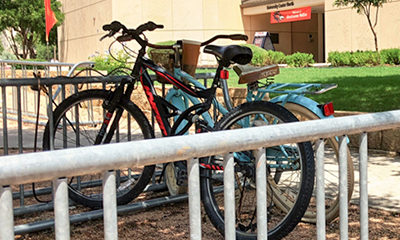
(27, 19)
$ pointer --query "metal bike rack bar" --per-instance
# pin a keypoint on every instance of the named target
(87, 216)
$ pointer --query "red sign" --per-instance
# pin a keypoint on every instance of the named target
(298, 14)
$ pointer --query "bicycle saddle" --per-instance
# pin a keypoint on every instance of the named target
(230, 54)
(249, 74)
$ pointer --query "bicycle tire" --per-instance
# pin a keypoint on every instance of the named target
(331, 171)
(84, 111)
(280, 191)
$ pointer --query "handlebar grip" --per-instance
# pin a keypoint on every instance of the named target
(239, 37)
(149, 26)
(115, 26)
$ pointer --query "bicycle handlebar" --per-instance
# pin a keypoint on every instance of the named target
(129, 34)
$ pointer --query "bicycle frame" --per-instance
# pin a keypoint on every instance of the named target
(181, 100)
(162, 108)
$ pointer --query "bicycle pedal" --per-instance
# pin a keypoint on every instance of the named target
(181, 178)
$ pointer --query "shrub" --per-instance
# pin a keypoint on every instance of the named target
(358, 58)
(43, 53)
(262, 57)
(338, 59)
(7, 56)
(274, 57)
(367, 58)
(299, 59)
(390, 56)
(106, 62)
(1, 47)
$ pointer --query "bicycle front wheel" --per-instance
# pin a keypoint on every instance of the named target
(77, 121)
(290, 176)
(331, 171)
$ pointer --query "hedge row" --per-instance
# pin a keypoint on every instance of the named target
(365, 58)
(262, 57)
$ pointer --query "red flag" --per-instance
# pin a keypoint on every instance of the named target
(51, 19)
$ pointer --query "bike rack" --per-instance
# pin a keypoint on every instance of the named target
(19, 83)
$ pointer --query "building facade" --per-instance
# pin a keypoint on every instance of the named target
(327, 29)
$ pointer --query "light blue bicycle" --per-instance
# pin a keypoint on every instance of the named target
(292, 98)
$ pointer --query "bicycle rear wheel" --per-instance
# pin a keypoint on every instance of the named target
(290, 176)
(77, 121)
(331, 171)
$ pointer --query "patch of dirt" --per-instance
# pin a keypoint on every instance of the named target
(172, 222)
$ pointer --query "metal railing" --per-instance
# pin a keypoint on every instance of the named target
(18, 137)
(52, 166)
(12, 70)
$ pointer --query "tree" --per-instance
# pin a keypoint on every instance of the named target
(364, 8)
(24, 20)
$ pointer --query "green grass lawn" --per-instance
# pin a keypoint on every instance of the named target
(364, 89)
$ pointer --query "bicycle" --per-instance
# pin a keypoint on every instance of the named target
(292, 97)
(296, 158)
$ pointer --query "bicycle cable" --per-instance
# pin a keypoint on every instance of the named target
(39, 87)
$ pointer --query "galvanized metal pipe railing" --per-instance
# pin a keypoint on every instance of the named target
(19, 102)
(23, 83)
(51, 165)
(20, 97)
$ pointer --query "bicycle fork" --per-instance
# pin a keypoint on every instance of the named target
(111, 105)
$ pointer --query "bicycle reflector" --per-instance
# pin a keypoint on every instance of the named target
(327, 109)
(224, 74)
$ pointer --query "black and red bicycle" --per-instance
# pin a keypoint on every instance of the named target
(114, 117)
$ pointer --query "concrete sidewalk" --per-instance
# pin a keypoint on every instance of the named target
(383, 180)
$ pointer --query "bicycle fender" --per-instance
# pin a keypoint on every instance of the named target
(302, 101)
(175, 98)
(305, 102)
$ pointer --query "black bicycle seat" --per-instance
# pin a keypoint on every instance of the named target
(227, 55)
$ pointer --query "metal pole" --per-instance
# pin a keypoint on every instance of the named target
(20, 144)
(343, 212)
(364, 186)
(4, 110)
(320, 156)
(194, 199)
(50, 115)
(6, 214)
(61, 209)
(261, 181)
(110, 206)
(229, 197)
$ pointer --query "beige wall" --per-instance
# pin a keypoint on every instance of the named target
(79, 35)
(182, 19)
(346, 30)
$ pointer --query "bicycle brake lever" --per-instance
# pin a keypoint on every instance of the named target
(107, 35)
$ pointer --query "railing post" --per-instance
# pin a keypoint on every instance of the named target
(194, 199)
(261, 188)
(4, 112)
(110, 206)
(61, 209)
(343, 212)
(6, 214)
(320, 188)
(364, 186)
(229, 197)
